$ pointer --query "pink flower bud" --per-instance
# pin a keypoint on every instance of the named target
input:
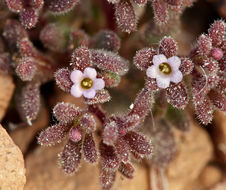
(75, 134)
(217, 53)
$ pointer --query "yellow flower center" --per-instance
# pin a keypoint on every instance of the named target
(86, 83)
(165, 68)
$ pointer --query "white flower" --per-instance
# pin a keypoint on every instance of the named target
(85, 83)
(165, 70)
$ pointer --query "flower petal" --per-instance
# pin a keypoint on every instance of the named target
(89, 93)
(163, 82)
(98, 84)
(76, 76)
(176, 77)
(90, 72)
(76, 91)
(152, 71)
(174, 62)
(158, 59)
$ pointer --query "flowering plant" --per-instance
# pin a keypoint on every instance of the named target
(92, 64)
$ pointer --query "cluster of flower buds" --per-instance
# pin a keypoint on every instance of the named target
(208, 77)
(30, 65)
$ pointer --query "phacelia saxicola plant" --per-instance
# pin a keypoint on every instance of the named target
(74, 45)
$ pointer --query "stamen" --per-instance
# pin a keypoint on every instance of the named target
(86, 83)
(165, 68)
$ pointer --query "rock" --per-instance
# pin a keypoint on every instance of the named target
(12, 172)
(43, 173)
(219, 136)
(220, 186)
(194, 150)
(210, 176)
(25, 135)
(6, 88)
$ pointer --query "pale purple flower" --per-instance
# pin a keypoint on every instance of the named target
(165, 70)
(85, 83)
